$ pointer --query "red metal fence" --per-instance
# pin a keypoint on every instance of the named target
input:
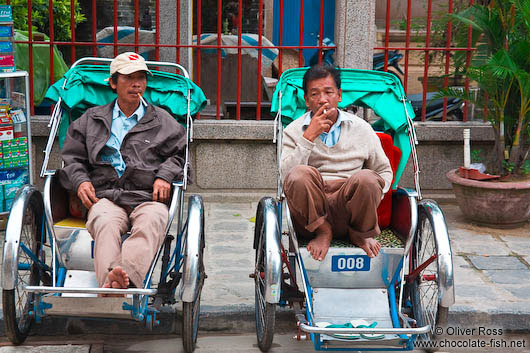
(422, 49)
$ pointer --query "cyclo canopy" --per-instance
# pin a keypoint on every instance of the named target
(85, 86)
(380, 91)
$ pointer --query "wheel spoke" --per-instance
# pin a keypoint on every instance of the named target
(426, 285)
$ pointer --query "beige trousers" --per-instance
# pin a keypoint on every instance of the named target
(107, 222)
(349, 206)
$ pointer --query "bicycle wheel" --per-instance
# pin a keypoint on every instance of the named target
(424, 290)
(265, 312)
(190, 314)
(191, 310)
(16, 302)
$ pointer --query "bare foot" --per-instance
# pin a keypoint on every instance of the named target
(370, 246)
(319, 246)
(118, 278)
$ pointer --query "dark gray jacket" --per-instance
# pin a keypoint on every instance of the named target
(154, 148)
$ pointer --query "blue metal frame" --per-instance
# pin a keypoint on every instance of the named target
(177, 256)
(408, 341)
(139, 308)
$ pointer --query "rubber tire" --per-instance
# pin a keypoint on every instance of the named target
(17, 327)
(418, 305)
(267, 316)
(190, 324)
(191, 311)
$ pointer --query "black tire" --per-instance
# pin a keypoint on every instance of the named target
(190, 323)
(16, 303)
(191, 310)
(424, 292)
(265, 312)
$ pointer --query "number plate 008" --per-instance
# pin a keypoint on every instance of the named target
(340, 263)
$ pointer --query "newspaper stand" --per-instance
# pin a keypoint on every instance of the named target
(16, 167)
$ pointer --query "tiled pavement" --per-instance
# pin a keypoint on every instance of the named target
(491, 270)
(491, 266)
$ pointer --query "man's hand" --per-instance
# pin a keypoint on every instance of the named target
(161, 190)
(321, 122)
(87, 194)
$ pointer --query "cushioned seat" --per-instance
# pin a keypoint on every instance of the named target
(384, 211)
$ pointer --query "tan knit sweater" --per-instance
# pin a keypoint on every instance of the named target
(358, 147)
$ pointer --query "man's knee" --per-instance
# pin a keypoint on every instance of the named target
(150, 216)
(367, 181)
(106, 214)
(300, 176)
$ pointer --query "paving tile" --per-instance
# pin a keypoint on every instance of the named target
(475, 291)
(464, 273)
(519, 292)
(233, 214)
(497, 262)
(236, 226)
(519, 245)
(486, 246)
(467, 236)
(232, 237)
(508, 276)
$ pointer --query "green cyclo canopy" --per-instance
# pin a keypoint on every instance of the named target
(380, 91)
(86, 87)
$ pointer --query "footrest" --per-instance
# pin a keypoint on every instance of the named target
(107, 307)
(110, 291)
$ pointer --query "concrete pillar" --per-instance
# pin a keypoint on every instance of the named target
(168, 31)
(354, 33)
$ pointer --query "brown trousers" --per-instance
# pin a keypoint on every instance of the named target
(107, 222)
(349, 206)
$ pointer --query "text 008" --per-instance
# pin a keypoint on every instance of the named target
(340, 263)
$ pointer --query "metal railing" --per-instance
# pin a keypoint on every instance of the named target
(72, 47)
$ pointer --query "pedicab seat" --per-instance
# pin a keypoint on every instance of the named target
(384, 211)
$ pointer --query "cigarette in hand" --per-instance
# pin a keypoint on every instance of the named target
(142, 99)
(325, 111)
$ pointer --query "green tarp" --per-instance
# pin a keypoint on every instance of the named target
(380, 91)
(86, 87)
(41, 64)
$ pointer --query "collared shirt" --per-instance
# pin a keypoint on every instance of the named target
(332, 137)
(121, 125)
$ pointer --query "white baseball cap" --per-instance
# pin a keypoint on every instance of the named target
(127, 63)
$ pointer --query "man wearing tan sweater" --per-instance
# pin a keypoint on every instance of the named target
(333, 168)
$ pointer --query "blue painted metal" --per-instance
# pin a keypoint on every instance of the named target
(61, 276)
(39, 308)
(409, 342)
(362, 349)
(30, 254)
(392, 298)
(291, 24)
(177, 256)
(141, 312)
(25, 267)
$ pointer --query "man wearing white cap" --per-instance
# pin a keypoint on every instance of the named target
(120, 160)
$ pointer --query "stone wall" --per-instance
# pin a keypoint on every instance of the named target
(232, 158)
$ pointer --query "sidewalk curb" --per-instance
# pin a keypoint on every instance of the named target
(509, 321)
(241, 320)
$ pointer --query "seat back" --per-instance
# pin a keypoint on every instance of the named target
(384, 211)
